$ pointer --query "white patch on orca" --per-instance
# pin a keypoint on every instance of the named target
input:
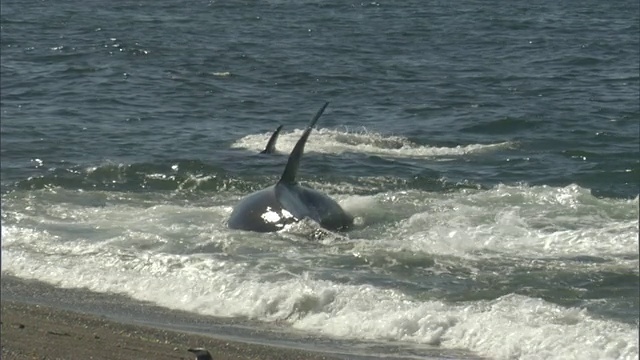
(287, 215)
(271, 216)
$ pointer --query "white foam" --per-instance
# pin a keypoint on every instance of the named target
(517, 221)
(337, 142)
(150, 250)
(512, 326)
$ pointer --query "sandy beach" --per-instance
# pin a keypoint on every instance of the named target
(41, 332)
(42, 321)
(33, 326)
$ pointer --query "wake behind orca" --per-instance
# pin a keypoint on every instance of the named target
(287, 202)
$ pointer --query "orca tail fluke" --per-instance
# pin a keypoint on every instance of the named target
(271, 144)
(291, 170)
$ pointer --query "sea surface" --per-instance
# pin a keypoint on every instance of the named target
(488, 149)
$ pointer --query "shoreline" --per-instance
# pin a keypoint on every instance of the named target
(41, 321)
(32, 331)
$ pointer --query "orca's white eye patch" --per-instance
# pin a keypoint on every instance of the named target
(275, 217)
(271, 216)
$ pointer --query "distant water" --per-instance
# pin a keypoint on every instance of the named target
(489, 150)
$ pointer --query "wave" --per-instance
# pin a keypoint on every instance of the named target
(505, 327)
(179, 175)
(330, 141)
(186, 176)
(502, 271)
(514, 221)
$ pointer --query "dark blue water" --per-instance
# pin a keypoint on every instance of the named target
(136, 83)
(522, 118)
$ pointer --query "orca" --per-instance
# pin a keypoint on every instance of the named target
(287, 201)
(271, 145)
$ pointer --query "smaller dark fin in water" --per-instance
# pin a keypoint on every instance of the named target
(271, 145)
(290, 171)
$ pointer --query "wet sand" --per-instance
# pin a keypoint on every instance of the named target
(43, 321)
(30, 331)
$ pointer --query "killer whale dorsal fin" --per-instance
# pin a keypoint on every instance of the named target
(271, 144)
(290, 171)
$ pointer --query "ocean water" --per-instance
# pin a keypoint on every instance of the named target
(489, 151)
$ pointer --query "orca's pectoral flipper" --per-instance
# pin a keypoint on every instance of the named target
(271, 145)
(290, 171)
